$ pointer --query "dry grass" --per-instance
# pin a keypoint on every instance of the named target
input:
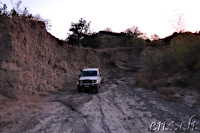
(152, 80)
(170, 98)
(167, 91)
(146, 78)
(173, 98)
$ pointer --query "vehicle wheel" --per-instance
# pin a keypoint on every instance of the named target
(97, 89)
(79, 89)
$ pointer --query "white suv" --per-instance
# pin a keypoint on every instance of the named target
(90, 78)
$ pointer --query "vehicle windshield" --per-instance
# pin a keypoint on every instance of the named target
(89, 73)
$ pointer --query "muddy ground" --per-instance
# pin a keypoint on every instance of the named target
(119, 107)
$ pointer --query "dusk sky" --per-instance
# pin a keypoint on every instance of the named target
(151, 16)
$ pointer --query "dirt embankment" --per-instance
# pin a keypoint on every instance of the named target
(34, 62)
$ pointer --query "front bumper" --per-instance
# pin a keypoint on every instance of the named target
(87, 85)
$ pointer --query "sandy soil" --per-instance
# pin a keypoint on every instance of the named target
(117, 108)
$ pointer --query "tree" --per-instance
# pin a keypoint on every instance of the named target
(46, 21)
(26, 14)
(108, 29)
(135, 41)
(180, 24)
(14, 13)
(154, 37)
(186, 51)
(78, 31)
(3, 11)
(133, 31)
(17, 6)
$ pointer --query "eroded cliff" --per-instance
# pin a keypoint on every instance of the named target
(32, 61)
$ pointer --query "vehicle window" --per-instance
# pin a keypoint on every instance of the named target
(89, 73)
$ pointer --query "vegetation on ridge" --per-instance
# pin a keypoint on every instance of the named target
(80, 35)
(175, 64)
(22, 14)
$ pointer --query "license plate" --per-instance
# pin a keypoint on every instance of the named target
(86, 86)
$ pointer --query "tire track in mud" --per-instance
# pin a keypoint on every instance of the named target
(107, 114)
(128, 109)
(127, 114)
(148, 108)
(105, 127)
(117, 108)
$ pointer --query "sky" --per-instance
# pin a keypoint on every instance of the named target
(151, 16)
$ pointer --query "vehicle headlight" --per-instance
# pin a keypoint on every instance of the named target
(94, 81)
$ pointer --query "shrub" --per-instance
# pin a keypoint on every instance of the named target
(152, 80)
(3, 10)
(158, 60)
(173, 98)
(179, 80)
(91, 41)
(167, 91)
(185, 49)
(173, 65)
(136, 41)
(156, 43)
(17, 12)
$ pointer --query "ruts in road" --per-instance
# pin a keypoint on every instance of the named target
(119, 107)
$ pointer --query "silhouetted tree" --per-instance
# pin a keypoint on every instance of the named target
(13, 13)
(180, 24)
(3, 11)
(26, 14)
(108, 29)
(78, 31)
(155, 37)
(46, 21)
(17, 6)
(22, 14)
(133, 31)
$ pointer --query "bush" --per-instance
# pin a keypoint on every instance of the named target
(152, 80)
(155, 43)
(185, 49)
(17, 12)
(167, 91)
(183, 52)
(3, 10)
(136, 41)
(156, 60)
(91, 41)
(173, 65)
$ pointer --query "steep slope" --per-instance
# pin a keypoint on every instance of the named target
(34, 62)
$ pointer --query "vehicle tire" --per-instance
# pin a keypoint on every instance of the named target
(97, 89)
(79, 89)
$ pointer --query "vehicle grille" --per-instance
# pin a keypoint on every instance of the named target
(87, 81)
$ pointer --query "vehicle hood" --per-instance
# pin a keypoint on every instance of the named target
(89, 78)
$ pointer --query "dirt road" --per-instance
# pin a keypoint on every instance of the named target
(117, 108)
